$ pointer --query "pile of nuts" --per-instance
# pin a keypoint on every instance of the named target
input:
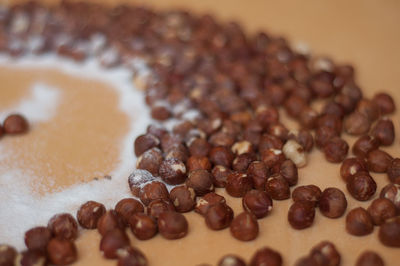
(237, 84)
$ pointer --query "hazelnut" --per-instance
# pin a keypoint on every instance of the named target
(221, 138)
(172, 225)
(219, 175)
(241, 147)
(351, 167)
(242, 161)
(258, 203)
(359, 222)
(364, 145)
(369, 109)
(218, 216)
(144, 143)
(15, 124)
(294, 105)
(37, 238)
(295, 152)
(258, 172)
(63, 226)
(197, 163)
(304, 138)
(381, 209)
(385, 103)
(323, 135)
(231, 260)
(384, 131)
(306, 261)
(378, 161)
(137, 179)
(199, 147)
(288, 171)
(170, 140)
(392, 193)
(361, 186)
(221, 156)
(267, 115)
(112, 241)
(143, 226)
(272, 157)
(183, 198)
(173, 171)
(156, 130)
(369, 258)
(301, 214)
(244, 227)
(158, 206)
(200, 181)
(160, 112)
(332, 203)
(89, 214)
(150, 160)
(208, 200)
(277, 187)
(270, 142)
(308, 118)
(266, 256)
(152, 191)
(127, 207)
(130, 256)
(178, 152)
(325, 253)
(332, 121)
(309, 193)
(393, 171)
(278, 130)
(7, 255)
(238, 184)
(336, 150)
(389, 232)
(357, 124)
(333, 108)
(30, 257)
(109, 221)
(61, 251)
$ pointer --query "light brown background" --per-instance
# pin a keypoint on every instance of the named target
(364, 33)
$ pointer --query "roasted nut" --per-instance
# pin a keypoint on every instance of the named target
(294, 105)
(369, 109)
(152, 191)
(221, 138)
(112, 241)
(332, 121)
(238, 184)
(241, 147)
(61, 251)
(378, 161)
(231, 260)
(359, 222)
(130, 256)
(15, 124)
(208, 200)
(306, 261)
(178, 152)
(144, 143)
(127, 207)
(277, 187)
(218, 216)
(336, 150)
(381, 209)
(308, 118)
(173, 171)
(278, 130)
(288, 171)
(258, 203)
(295, 152)
(36, 239)
(150, 160)
(7, 255)
(160, 112)
(198, 163)
(266, 115)
(309, 193)
(143, 226)
(333, 108)
(63, 226)
(272, 157)
(269, 142)
(392, 193)
(323, 135)
(351, 167)
(364, 145)
(332, 203)
(361, 186)
(384, 131)
(221, 156)
(183, 198)
(137, 179)
(109, 221)
(219, 175)
(304, 138)
(89, 214)
(158, 206)
(389, 232)
(259, 173)
(30, 257)
(325, 253)
(266, 256)
(170, 140)
(244, 227)
(301, 214)
(156, 130)
(393, 171)
(172, 225)
(357, 124)
(200, 181)
(242, 161)
(369, 258)
(199, 147)
(348, 102)
(385, 103)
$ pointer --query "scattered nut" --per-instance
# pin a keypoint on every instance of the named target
(238, 184)
(172, 171)
(389, 232)
(378, 161)
(231, 260)
(266, 256)
(63, 226)
(309, 193)
(172, 225)
(361, 186)
(158, 206)
(332, 203)
(36, 239)
(352, 166)
(220, 175)
(109, 221)
(208, 200)
(61, 251)
(384, 131)
(200, 181)
(258, 203)
(364, 145)
(143, 226)
(127, 207)
(112, 241)
(15, 124)
(152, 191)
(144, 143)
(381, 209)
(369, 258)
(218, 216)
(359, 222)
(89, 214)
(183, 198)
(277, 187)
(244, 227)
(301, 214)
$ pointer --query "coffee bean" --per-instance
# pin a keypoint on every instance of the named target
(30, 258)
(89, 214)
(369, 109)
(150, 160)
(200, 181)
(7, 255)
(359, 222)
(130, 256)
(221, 156)
(143, 226)
(15, 124)
(392, 193)
(183, 198)
(258, 172)
(218, 216)
(389, 232)
(258, 203)
(277, 187)
(325, 253)
(357, 124)
(219, 175)
(384, 131)
(208, 200)
(238, 184)
(361, 186)
(385, 103)
(332, 203)
(144, 143)
(173, 171)
(63, 226)
(198, 163)
(369, 258)
(61, 251)
(364, 145)
(112, 241)
(127, 207)
(352, 166)
(393, 171)
(301, 214)
(309, 193)
(199, 147)
(172, 225)
(109, 221)
(378, 161)
(244, 227)
(158, 206)
(231, 260)
(152, 191)
(336, 150)
(323, 135)
(381, 209)
(266, 256)
(37, 238)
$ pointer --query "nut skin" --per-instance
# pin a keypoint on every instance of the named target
(208, 200)
(61, 251)
(63, 226)
(380, 210)
(145, 142)
(277, 187)
(352, 166)
(112, 241)
(361, 186)
(378, 161)
(127, 207)
(392, 193)
(7, 255)
(384, 131)
(221, 156)
(259, 173)
(332, 203)
(200, 181)
(183, 198)
(238, 184)
(385, 103)
(336, 150)
(364, 145)
(109, 221)
(258, 203)
(244, 227)
(143, 226)
(219, 175)
(172, 225)
(389, 232)
(325, 253)
(218, 216)
(172, 171)
(288, 171)
(231, 260)
(15, 124)
(130, 256)
(152, 191)
(158, 206)
(393, 171)
(266, 256)
(310, 193)
(37, 238)
(89, 214)
(150, 160)
(370, 258)
(198, 163)
(357, 124)
(359, 222)
(301, 214)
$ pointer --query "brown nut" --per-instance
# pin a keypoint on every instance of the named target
(221, 156)
(369, 109)
(393, 171)
(156, 130)
(369, 258)
(301, 214)
(199, 147)
(7, 255)
(361, 186)
(357, 124)
(359, 222)
(238, 184)
(242, 147)
(127, 207)
(200, 181)
(63, 226)
(172, 171)
(385, 103)
(381, 209)
(150, 160)
(295, 152)
(172, 225)
(378, 161)
(242, 161)
(325, 253)
(272, 157)
(309, 193)
(244, 227)
(336, 150)
(331, 121)
(183, 198)
(389, 232)
(143, 226)
(158, 206)
(277, 187)
(332, 203)
(15, 124)
(384, 131)
(266, 256)
(137, 179)
(37, 238)
(219, 175)
(89, 214)
(218, 216)
(231, 260)
(269, 142)
(323, 135)
(288, 171)
(145, 142)
(258, 203)
(61, 251)
(392, 193)
(352, 166)
(178, 152)
(198, 163)
(208, 200)
(109, 221)
(152, 191)
(112, 241)
(130, 256)
(29, 257)
(364, 145)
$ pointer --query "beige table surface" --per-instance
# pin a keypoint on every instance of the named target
(364, 33)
